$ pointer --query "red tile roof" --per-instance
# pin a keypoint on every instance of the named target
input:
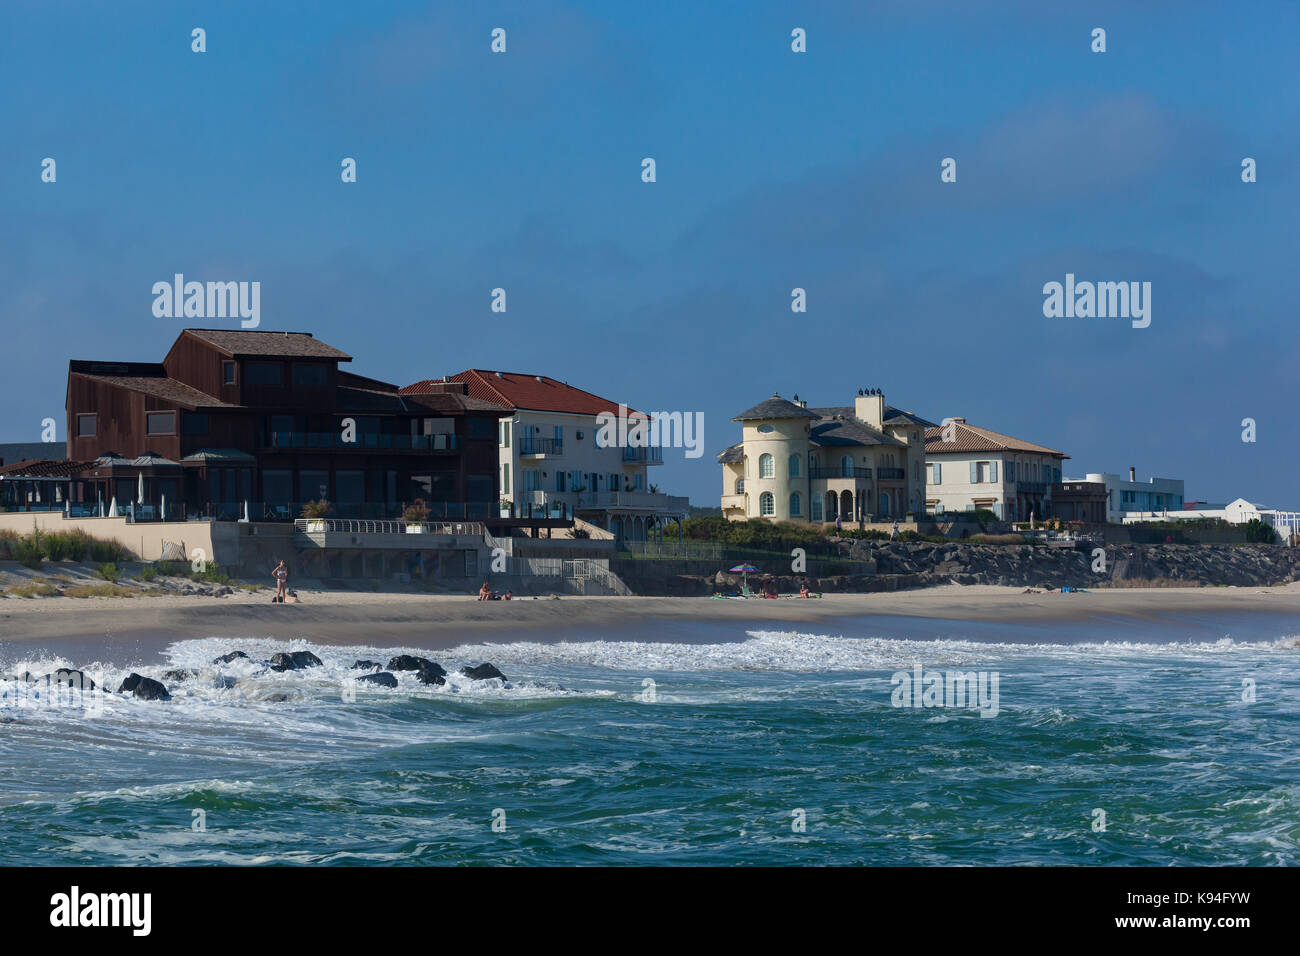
(517, 390)
(972, 438)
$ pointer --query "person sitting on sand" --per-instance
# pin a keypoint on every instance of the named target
(509, 594)
(281, 575)
(485, 592)
(803, 591)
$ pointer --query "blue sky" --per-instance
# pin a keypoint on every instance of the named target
(775, 170)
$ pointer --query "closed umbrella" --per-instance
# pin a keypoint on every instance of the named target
(139, 490)
(112, 508)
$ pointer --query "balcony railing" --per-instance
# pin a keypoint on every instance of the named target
(363, 441)
(840, 472)
(541, 446)
(892, 474)
(651, 456)
(1031, 487)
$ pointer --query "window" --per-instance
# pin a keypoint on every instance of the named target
(479, 487)
(85, 426)
(480, 428)
(766, 504)
(613, 482)
(638, 482)
(263, 373)
(794, 504)
(505, 434)
(194, 423)
(846, 466)
(277, 487)
(313, 485)
(936, 474)
(794, 466)
(532, 480)
(228, 373)
(350, 486)
(312, 374)
(160, 423)
(765, 429)
(740, 486)
(505, 478)
(766, 467)
(559, 480)
(816, 508)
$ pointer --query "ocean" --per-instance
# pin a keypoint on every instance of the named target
(1169, 742)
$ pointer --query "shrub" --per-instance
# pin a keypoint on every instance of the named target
(148, 573)
(35, 589)
(416, 512)
(108, 572)
(317, 509)
(27, 551)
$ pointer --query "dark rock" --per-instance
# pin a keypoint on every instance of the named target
(64, 677)
(366, 666)
(383, 679)
(482, 672)
(145, 688)
(294, 661)
(232, 656)
(431, 674)
(406, 662)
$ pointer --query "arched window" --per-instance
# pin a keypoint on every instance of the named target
(846, 466)
(794, 466)
(766, 504)
(740, 486)
(794, 505)
(766, 467)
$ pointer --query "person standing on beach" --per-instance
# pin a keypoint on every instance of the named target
(837, 523)
(281, 575)
(893, 532)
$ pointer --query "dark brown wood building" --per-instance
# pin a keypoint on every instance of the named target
(261, 422)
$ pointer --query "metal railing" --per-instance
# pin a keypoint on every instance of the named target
(820, 471)
(541, 446)
(364, 526)
(892, 474)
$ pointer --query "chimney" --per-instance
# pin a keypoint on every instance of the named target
(1132, 474)
(871, 407)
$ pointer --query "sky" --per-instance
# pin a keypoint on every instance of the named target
(775, 170)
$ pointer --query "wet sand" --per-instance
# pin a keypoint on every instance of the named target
(440, 621)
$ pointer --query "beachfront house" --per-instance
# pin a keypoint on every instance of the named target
(970, 468)
(1151, 498)
(234, 424)
(550, 462)
(859, 462)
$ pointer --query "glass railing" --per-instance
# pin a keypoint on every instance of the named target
(363, 441)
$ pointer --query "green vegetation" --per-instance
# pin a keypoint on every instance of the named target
(35, 589)
(76, 545)
(108, 572)
(211, 574)
(1259, 532)
(99, 590)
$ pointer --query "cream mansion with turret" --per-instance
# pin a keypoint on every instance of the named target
(794, 463)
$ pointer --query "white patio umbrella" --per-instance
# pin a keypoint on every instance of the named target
(139, 490)
(112, 508)
(162, 507)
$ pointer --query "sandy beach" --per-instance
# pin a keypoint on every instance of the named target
(443, 621)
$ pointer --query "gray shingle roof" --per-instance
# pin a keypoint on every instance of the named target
(732, 455)
(838, 426)
(774, 407)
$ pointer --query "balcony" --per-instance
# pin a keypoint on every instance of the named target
(892, 474)
(541, 446)
(841, 472)
(363, 442)
(648, 501)
(650, 456)
(1031, 487)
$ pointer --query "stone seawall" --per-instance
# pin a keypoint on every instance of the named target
(901, 565)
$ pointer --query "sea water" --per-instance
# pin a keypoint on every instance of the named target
(678, 744)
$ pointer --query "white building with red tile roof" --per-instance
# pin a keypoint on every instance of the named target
(550, 458)
(970, 468)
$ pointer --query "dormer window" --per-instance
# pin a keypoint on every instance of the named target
(228, 373)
